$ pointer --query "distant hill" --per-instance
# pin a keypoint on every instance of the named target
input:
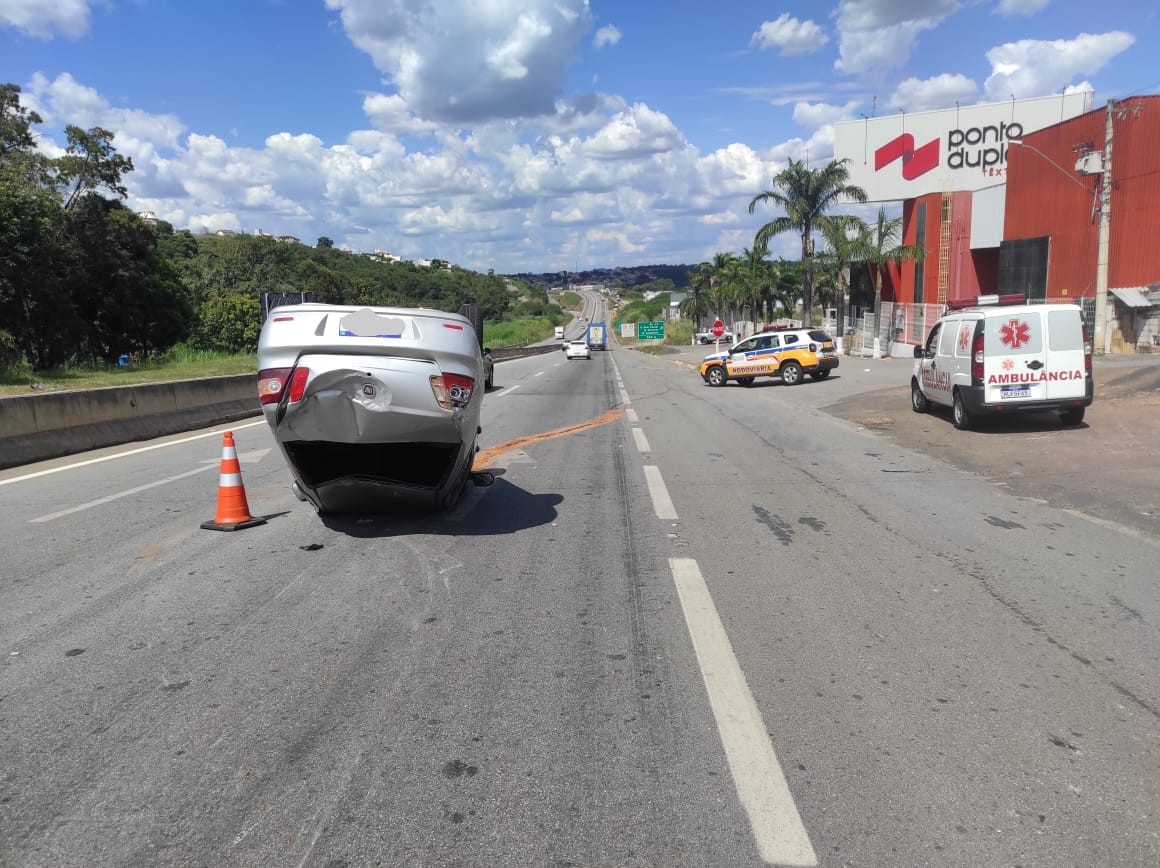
(625, 277)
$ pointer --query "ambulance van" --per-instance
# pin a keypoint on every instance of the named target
(997, 355)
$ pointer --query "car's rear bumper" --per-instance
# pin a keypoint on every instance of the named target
(974, 401)
(376, 477)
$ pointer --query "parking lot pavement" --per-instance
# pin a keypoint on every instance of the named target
(1107, 467)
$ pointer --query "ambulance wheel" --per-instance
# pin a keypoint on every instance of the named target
(918, 401)
(1073, 416)
(791, 373)
(745, 381)
(960, 415)
(821, 375)
(715, 376)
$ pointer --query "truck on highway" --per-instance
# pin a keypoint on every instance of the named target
(559, 333)
(597, 336)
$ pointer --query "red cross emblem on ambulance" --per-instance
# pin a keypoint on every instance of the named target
(1015, 333)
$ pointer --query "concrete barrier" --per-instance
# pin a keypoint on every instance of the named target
(39, 427)
(52, 424)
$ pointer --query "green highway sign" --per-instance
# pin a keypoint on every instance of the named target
(650, 331)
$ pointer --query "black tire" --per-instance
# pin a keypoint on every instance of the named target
(820, 374)
(473, 314)
(959, 414)
(918, 402)
(716, 376)
(489, 384)
(791, 373)
(746, 381)
(1073, 416)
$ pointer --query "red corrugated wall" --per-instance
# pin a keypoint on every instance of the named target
(1134, 251)
(1042, 201)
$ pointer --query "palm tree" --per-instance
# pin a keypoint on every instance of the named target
(845, 238)
(805, 195)
(721, 292)
(758, 280)
(883, 249)
(697, 304)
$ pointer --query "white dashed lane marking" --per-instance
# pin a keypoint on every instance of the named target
(777, 827)
(641, 440)
(662, 503)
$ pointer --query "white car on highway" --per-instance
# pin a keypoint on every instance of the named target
(576, 350)
(373, 407)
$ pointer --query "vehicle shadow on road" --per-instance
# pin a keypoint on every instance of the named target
(776, 382)
(499, 509)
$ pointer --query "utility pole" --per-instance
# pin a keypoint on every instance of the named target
(1102, 335)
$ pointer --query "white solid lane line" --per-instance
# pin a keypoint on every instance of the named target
(641, 440)
(624, 399)
(216, 432)
(630, 414)
(781, 836)
(245, 458)
(662, 503)
(508, 389)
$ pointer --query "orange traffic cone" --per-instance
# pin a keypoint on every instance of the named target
(233, 513)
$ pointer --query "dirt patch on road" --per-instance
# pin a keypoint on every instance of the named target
(1107, 467)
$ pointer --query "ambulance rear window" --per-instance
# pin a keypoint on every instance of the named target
(1064, 330)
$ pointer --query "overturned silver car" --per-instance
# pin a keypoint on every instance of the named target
(374, 408)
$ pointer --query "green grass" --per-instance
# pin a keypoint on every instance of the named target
(181, 364)
(518, 332)
(571, 300)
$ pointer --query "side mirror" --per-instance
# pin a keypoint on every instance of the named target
(487, 351)
(918, 352)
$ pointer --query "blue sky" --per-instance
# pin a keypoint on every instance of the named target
(531, 135)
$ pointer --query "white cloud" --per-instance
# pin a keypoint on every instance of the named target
(941, 91)
(877, 36)
(45, 19)
(1020, 7)
(790, 36)
(462, 61)
(814, 115)
(1032, 67)
(607, 35)
(66, 101)
(637, 132)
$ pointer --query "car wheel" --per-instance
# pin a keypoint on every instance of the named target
(715, 376)
(821, 374)
(791, 373)
(746, 381)
(962, 418)
(918, 402)
(1073, 416)
(475, 315)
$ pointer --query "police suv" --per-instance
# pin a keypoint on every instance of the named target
(782, 352)
(996, 354)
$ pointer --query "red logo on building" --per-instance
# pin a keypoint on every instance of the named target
(914, 162)
(1015, 333)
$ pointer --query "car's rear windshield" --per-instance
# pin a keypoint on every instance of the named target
(819, 336)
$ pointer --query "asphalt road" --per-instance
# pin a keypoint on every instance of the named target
(709, 627)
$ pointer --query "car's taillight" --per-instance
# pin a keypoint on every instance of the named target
(977, 357)
(813, 348)
(272, 382)
(452, 391)
(1087, 349)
